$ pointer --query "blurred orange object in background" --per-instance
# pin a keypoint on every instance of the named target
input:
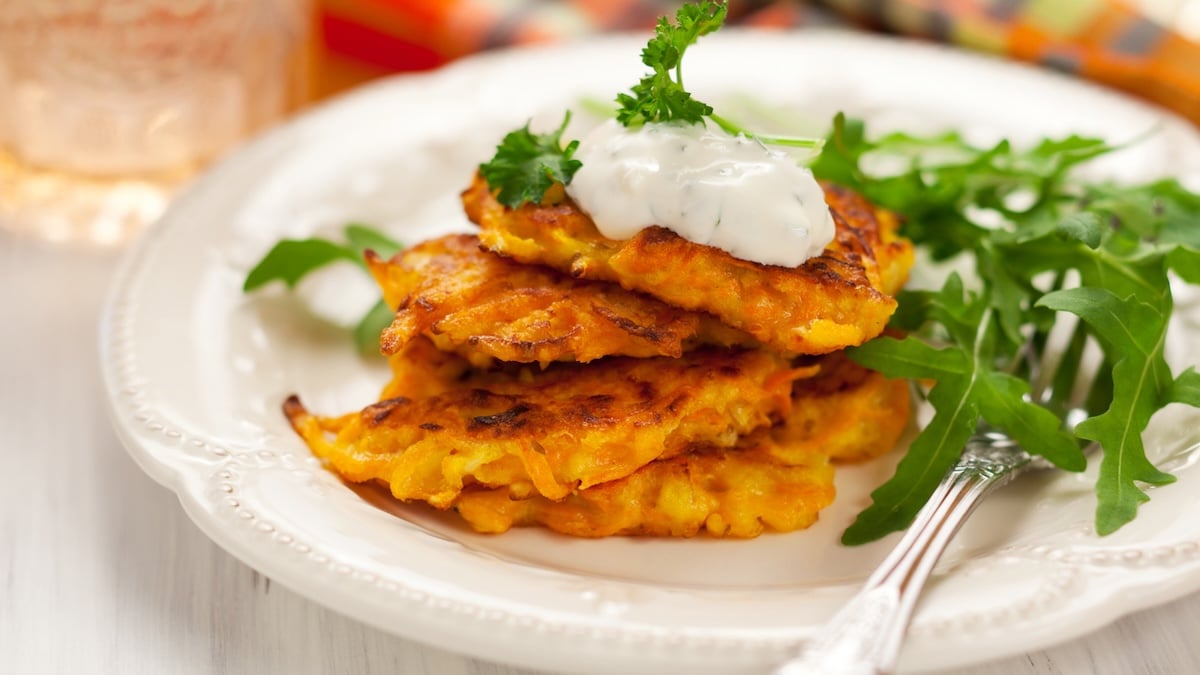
(1148, 48)
(359, 40)
(364, 39)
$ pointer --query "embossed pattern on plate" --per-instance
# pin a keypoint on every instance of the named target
(196, 373)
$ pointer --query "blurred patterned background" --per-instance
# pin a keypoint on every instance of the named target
(1147, 47)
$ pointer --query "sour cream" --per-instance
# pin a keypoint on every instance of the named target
(705, 185)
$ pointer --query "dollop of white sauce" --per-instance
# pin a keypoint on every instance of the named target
(707, 186)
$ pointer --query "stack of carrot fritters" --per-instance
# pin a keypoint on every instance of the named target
(544, 374)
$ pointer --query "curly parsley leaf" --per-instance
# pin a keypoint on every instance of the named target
(660, 95)
(1028, 224)
(290, 260)
(526, 165)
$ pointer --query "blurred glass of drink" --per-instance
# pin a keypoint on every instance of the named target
(107, 106)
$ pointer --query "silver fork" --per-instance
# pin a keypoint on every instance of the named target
(865, 636)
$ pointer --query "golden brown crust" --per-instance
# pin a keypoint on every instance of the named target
(468, 439)
(773, 480)
(734, 493)
(838, 299)
(847, 412)
(485, 307)
(655, 436)
(550, 432)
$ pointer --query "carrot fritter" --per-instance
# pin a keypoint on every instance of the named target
(735, 493)
(846, 411)
(548, 432)
(583, 463)
(486, 307)
(778, 479)
(838, 299)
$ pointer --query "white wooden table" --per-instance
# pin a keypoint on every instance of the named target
(101, 571)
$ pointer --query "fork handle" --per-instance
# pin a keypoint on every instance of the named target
(864, 637)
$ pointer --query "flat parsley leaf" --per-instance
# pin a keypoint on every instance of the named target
(1029, 225)
(290, 260)
(526, 165)
(363, 238)
(369, 328)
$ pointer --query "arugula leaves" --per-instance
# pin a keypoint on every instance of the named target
(1133, 333)
(1030, 228)
(1043, 226)
(290, 260)
(526, 164)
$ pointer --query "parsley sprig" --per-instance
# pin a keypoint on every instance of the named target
(1119, 241)
(526, 164)
(660, 95)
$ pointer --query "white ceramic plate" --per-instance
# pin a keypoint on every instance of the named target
(196, 373)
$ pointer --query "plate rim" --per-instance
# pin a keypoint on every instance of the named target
(156, 451)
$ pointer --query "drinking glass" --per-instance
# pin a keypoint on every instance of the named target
(108, 106)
